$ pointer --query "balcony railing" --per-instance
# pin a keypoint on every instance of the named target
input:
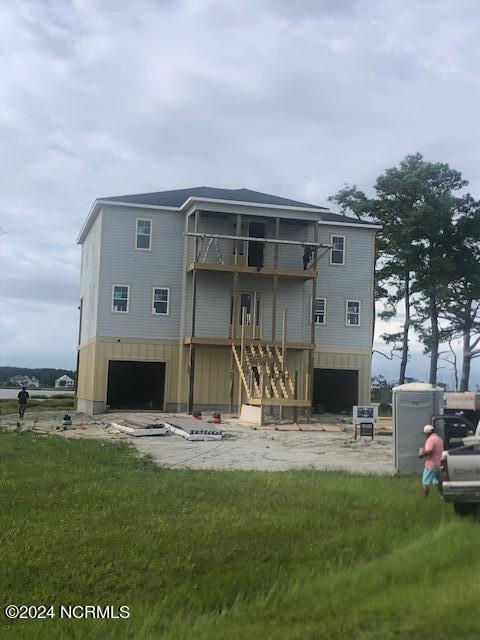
(263, 256)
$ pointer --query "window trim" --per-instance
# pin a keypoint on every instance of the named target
(338, 264)
(359, 302)
(321, 324)
(119, 284)
(154, 313)
(137, 248)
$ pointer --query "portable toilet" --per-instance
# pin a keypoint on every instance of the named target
(414, 404)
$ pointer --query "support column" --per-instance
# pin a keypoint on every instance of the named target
(275, 281)
(284, 350)
(191, 360)
(311, 352)
(242, 355)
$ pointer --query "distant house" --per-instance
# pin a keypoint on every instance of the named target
(64, 382)
(24, 381)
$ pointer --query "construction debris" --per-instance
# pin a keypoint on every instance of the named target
(188, 428)
(192, 429)
(137, 427)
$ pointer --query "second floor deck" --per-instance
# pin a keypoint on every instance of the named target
(254, 245)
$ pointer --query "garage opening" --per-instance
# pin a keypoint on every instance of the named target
(135, 385)
(334, 390)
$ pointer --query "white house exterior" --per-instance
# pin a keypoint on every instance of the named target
(165, 283)
(64, 382)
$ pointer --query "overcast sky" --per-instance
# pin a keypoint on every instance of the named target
(291, 97)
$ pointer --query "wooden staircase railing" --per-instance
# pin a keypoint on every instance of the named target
(263, 373)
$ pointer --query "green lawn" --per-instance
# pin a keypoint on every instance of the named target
(227, 555)
(59, 403)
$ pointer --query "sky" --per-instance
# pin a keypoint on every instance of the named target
(290, 97)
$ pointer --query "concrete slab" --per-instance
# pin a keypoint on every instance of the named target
(242, 447)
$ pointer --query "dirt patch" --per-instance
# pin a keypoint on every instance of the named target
(278, 447)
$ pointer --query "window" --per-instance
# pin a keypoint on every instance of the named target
(353, 313)
(320, 311)
(144, 234)
(337, 255)
(120, 298)
(160, 301)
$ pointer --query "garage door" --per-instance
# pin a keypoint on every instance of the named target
(335, 390)
(135, 385)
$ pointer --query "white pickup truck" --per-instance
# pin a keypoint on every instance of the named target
(460, 474)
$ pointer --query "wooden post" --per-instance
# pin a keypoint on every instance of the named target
(191, 360)
(232, 369)
(274, 290)
(242, 355)
(311, 352)
(284, 349)
(235, 280)
(284, 337)
(275, 281)
(254, 303)
(295, 396)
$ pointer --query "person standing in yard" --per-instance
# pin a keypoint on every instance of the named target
(23, 396)
(432, 451)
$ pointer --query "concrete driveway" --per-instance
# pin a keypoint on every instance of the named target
(270, 450)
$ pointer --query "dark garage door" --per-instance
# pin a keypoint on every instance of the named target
(135, 385)
(335, 390)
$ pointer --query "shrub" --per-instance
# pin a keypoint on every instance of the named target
(384, 409)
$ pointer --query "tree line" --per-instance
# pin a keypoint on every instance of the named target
(427, 263)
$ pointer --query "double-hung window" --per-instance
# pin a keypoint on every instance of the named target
(352, 313)
(143, 238)
(320, 311)
(337, 255)
(120, 296)
(160, 301)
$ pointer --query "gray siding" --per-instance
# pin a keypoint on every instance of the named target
(142, 270)
(112, 239)
(352, 281)
(89, 280)
(213, 304)
(212, 317)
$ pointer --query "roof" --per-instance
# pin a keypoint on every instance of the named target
(178, 197)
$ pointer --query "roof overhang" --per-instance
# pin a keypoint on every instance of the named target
(356, 225)
(188, 206)
(195, 199)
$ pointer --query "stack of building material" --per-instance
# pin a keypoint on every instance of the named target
(468, 400)
(138, 427)
(192, 429)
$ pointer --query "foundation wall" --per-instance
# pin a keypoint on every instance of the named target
(213, 366)
(93, 368)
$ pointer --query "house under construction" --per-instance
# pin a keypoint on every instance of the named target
(206, 298)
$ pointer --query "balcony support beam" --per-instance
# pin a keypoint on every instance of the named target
(221, 236)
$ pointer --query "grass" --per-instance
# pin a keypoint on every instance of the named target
(237, 555)
(59, 403)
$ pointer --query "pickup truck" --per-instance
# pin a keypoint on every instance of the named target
(460, 469)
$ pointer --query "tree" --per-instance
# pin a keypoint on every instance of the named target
(434, 252)
(462, 305)
(398, 193)
(417, 260)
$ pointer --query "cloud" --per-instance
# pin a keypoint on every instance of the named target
(294, 98)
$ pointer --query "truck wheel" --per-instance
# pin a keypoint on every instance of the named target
(463, 508)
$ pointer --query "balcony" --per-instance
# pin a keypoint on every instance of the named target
(281, 272)
(289, 255)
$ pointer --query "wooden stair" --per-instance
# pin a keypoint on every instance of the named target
(264, 376)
